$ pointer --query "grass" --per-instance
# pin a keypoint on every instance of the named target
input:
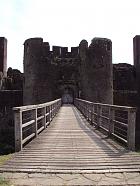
(4, 182)
(4, 158)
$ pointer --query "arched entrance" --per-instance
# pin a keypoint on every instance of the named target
(68, 96)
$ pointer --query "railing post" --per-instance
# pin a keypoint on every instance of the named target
(18, 130)
(86, 111)
(92, 114)
(50, 108)
(99, 112)
(111, 123)
(34, 115)
(89, 111)
(54, 109)
(44, 114)
(48, 115)
(131, 129)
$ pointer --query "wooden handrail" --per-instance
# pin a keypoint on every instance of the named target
(94, 113)
(26, 130)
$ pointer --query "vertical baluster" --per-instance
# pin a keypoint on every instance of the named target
(54, 109)
(111, 122)
(99, 112)
(34, 116)
(48, 115)
(92, 114)
(50, 112)
(44, 119)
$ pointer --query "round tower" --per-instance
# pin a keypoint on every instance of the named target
(96, 69)
(32, 55)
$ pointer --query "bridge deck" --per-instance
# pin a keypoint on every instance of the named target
(70, 144)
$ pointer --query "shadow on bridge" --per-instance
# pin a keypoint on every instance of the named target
(110, 147)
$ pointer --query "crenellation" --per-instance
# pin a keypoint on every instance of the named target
(64, 51)
(74, 51)
(46, 46)
(56, 50)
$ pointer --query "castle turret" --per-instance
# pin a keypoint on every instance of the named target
(136, 54)
(40, 71)
(96, 69)
(3, 55)
(32, 56)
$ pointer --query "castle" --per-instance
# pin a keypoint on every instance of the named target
(85, 72)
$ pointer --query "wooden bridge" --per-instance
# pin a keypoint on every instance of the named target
(76, 139)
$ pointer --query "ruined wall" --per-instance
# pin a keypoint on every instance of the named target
(10, 98)
(96, 70)
(124, 77)
(124, 85)
(3, 55)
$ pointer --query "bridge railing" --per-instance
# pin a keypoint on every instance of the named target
(30, 120)
(118, 121)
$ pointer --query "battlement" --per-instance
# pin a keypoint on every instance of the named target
(62, 52)
(57, 51)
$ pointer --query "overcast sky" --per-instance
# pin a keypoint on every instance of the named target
(67, 22)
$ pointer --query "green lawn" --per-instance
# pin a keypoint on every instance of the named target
(4, 182)
(3, 158)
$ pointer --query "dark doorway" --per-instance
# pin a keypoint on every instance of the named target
(67, 97)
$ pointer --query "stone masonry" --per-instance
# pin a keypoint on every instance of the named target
(85, 72)
(3, 55)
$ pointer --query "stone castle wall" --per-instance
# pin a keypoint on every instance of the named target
(84, 72)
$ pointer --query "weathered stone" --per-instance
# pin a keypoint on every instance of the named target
(64, 74)
(3, 55)
(96, 70)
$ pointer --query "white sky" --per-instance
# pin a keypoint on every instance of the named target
(67, 22)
